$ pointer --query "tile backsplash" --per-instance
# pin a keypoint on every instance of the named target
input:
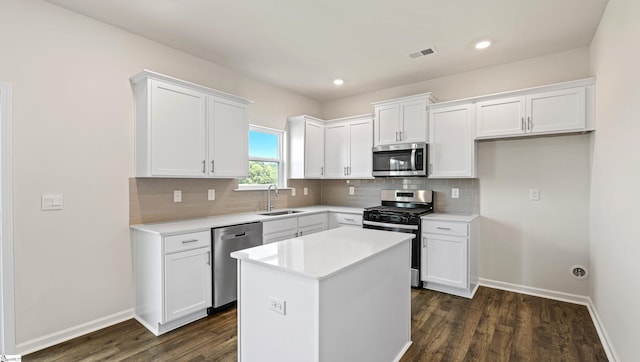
(151, 199)
(367, 192)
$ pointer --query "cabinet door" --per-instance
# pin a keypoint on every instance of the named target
(228, 139)
(387, 125)
(360, 143)
(413, 116)
(187, 283)
(501, 117)
(445, 260)
(551, 112)
(336, 152)
(314, 149)
(178, 138)
(451, 142)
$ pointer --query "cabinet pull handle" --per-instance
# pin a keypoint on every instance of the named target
(522, 125)
(424, 242)
(441, 228)
(321, 171)
(529, 123)
(208, 257)
(204, 163)
(344, 171)
(348, 170)
(396, 136)
(189, 241)
(400, 135)
(212, 166)
(300, 232)
(349, 219)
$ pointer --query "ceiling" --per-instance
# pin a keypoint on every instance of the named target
(302, 45)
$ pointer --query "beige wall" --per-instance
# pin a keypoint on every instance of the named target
(522, 242)
(73, 134)
(615, 244)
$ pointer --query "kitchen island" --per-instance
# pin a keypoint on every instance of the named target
(337, 295)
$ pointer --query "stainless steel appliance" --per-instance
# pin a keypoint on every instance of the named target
(400, 160)
(401, 211)
(226, 240)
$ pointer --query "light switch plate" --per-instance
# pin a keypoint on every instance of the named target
(534, 194)
(177, 196)
(211, 194)
(305, 191)
(352, 190)
(455, 193)
(293, 191)
(52, 202)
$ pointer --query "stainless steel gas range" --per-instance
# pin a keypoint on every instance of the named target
(401, 211)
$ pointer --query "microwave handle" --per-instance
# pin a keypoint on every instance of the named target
(413, 159)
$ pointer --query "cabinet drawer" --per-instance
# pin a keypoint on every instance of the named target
(445, 228)
(269, 227)
(348, 219)
(312, 219)
(188, 241)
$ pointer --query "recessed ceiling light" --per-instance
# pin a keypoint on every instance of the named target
(483, 44)
(338, 81)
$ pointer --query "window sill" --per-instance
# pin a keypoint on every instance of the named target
(262, 189)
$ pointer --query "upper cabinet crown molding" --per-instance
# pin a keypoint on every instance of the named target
(148, 74)
(187, 130)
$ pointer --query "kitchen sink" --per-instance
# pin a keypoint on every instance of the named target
(281, 212)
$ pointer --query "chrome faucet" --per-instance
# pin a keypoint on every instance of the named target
(269, 206)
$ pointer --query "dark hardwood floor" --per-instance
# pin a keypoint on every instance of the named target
(495, 326)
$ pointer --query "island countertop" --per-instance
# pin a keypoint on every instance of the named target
(321, 255)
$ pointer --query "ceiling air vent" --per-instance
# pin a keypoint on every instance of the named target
(422, 52)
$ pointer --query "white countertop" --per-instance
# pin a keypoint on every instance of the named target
(450, 217)
(320, 255)
(202, 224)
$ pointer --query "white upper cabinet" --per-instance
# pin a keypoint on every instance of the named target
(401, 120)
(558, 108)
(452, 148)
(348, 143)
(228, 130)
(187, 130)
(305, 147)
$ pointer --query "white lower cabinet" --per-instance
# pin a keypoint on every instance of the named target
(293, 226)
(172, 277)
(449, 261)
(338, 219)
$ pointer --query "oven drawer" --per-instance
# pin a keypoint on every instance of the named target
(445, 228)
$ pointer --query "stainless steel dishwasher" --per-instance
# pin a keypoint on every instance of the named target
(226, 240)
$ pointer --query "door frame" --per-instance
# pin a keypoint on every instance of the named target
(7, 291)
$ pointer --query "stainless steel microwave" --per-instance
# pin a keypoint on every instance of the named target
(408, 159)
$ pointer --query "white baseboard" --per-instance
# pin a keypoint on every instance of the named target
(564, 297)
(73, 332)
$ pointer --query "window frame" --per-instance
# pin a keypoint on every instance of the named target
(281, 134)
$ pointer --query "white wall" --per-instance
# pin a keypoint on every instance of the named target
(527, 243)
(615, 244)
(73, 134)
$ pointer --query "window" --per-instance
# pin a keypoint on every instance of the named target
(266, 166)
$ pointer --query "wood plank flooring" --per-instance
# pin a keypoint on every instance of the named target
(495, 326)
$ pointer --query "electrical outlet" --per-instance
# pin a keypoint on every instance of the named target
(293, 191)
(305, 191)
(352, 190)
(177, 196)
(455, 193)
(278, 305)
(52, 202)
(534, 194)
(211, 194)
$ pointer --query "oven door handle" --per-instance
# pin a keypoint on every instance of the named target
(388, 225)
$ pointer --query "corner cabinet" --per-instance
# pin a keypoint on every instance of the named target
(187, 130)
(452, 148)
(449, 260)
(305, 147)
(558, 108)
(401, 120)
(172, 278)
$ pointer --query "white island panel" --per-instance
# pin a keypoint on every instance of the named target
(347, 295)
